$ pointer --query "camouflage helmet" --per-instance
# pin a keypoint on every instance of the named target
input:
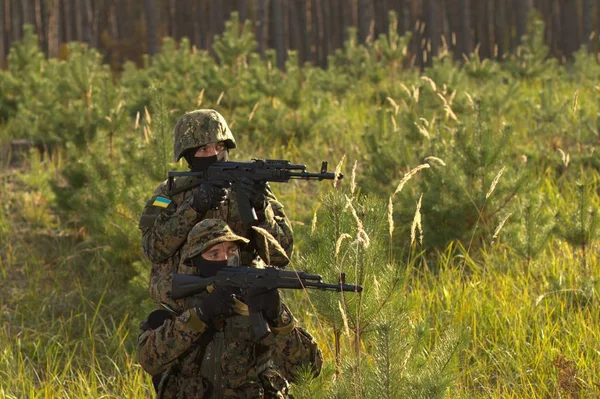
(207, 233)
(200, 127)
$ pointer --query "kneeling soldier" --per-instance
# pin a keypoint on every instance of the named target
(203, 346)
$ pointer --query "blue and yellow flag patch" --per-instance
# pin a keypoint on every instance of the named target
(161, 202)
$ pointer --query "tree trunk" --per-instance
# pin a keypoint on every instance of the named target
(28, 15)
(501, 30)
(15, 20)
(66, 21)
(326, 31)
(380, 9)
(293, 30)
(53, 29)
(87, 17)
(432, 33)
(304, 49)
(151, 26)
(588, 21)
(261, 26)
(521, 9)
(364, 20)
(483, 39)
(277, 22)
(39, 23)
(3, 36)
(346, 18)
(315, 31)
(459, 17)
(570, 27)
(335, 24)
(242, 8)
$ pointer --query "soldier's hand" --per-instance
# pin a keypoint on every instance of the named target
(209, 195)
(219, 304)
(264, 300)
(255, 191)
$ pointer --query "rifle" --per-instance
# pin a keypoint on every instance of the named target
(258, 170)
(244, 278)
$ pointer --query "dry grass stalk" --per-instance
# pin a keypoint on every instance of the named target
(394, 123)
(499, 228)
(270, 240)
(148, 118)
(566, 158)
(344, 319)
(338, 243)
(220, 97)
(361, 235)
(575, 101)
(450, 113)
(394, 104)
(495, 182)
(252, 112)
(338, 170)
(422, 130)
(432, 159)
(471, 102)
(313, 225)
(408, 176)
(416, 224)
(390, 214)
(353, 178)
(200, 98)
(430, 81)
(137, 120)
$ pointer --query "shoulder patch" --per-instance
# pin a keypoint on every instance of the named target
(161, 202)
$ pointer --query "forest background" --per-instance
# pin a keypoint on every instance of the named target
(468, 210)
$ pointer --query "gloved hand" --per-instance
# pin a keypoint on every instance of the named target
(209, 195)
(219, 304)
(264, 300)
(255, 191)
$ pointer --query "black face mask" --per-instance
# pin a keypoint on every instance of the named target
(200, 164)
(208, 268)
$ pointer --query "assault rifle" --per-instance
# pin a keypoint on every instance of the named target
(258, 170)
(244, 278)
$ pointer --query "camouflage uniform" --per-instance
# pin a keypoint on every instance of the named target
(196, 361)
(168, 216)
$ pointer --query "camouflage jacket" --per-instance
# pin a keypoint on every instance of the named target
(168, 218)
(197, 362)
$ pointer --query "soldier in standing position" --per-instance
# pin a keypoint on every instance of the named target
(203, 137)
(203, 347)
